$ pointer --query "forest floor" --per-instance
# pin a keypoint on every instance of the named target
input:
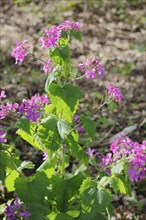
(115, 34)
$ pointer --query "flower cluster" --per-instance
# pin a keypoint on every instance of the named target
(69, 25)
(20, 51)
(115, 93)
(130, 151)
(17, 207)
(77, 120)
(48, 66)
(92, 67)
(50, 37)
(2, 135)
(32, 107)
(6, 108)
(52, 34)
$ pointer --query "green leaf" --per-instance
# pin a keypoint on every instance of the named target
(50, 79)
(89, 125)
(77, 34)
(27, 132)
(64, 52)
(32, 192)
(7, 164)
(64, 190)
(60, 55)
(73, 213)
(3, 164)
(48, 133)
(110, 211)
(76, 150)
(120, 183)
(36, 188)
(97, 216)
(64, 128)
(4, 146)
(63, 216)
(38, 211)
(68, 93)
(26, 165)
(86, 184)
(64, 100)
(104, 181)
(94, 199)
(24, 124)
(117, 169)
(10, 180)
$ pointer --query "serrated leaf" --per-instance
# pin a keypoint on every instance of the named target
(86, 184)
(94, 199)
(68, 93)
(28, 134)
(63, 190)
(7, 164)
(64, 128)
(10, 180)
(64, 100)
(89, 125)
(36, 188)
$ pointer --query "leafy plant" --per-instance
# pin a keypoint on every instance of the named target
(62, 188)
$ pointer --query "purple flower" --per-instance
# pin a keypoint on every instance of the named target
(32, 108)
(2, 135)
(45, 156)
(91, 152)
(115, 93)
(76, 118)
(16, 208)
(48, 66)
(8, 107)
(50, 37)
(92, 68)
(25, 213)
(69, 25)
(9, 212)
(20, 51)
(2, 95)
(133, 173)
(81, 130)
(131, 152)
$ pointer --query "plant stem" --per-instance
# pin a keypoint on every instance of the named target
(37, 58)
(63, 159)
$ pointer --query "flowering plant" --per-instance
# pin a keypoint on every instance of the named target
(61, 189)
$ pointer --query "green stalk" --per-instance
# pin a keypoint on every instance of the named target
(63, 159)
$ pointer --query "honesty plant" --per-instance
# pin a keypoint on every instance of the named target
(62, 188)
